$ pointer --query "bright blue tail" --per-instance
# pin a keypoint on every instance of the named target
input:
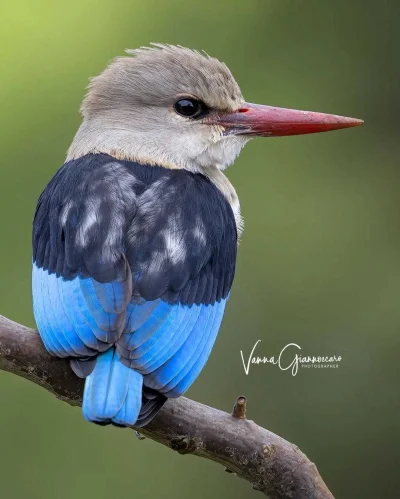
(113, 392)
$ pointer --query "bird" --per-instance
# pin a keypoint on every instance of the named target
(135, 237)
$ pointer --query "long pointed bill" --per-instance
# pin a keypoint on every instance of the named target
(266, 121)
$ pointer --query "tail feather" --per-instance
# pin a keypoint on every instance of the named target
(129, 411)
(113, 392)
(152, 402)
(82, 368)
(151, 411)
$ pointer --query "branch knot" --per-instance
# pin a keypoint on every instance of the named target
(239, 409)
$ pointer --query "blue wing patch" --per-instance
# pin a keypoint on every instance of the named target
(72, 315)
(173, 345)
(165, 350)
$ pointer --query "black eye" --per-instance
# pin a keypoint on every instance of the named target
(190, 108)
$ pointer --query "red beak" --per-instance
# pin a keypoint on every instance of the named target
(266, 121)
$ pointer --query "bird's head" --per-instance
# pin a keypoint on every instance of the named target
(179, 108)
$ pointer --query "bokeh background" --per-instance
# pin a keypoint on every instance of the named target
(319, 263)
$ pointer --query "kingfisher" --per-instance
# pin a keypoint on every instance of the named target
(135, 237)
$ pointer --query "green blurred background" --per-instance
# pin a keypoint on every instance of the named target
(319, 264)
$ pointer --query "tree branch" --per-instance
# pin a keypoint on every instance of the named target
(271, 464)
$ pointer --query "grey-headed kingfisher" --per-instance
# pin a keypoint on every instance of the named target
(135, 237)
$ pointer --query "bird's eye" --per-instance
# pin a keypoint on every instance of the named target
(190, 108)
